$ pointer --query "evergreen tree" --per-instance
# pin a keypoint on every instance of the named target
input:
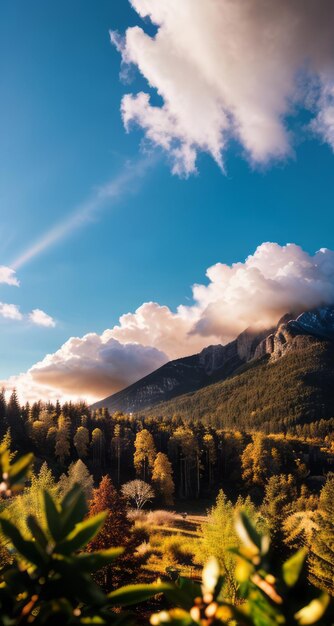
(322, 551)
(280, 495)
(162, 478)
(30, 502)
(115, 532)
(3, 411)
(15, 422)
(78, 473)
(218, 536)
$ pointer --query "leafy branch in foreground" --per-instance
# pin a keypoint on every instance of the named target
(272, 594)
(50, 580)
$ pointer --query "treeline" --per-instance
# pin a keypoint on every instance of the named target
(180, 457)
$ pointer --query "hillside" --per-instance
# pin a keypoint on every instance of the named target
(187, 374)
(265, 394)
(283, 373)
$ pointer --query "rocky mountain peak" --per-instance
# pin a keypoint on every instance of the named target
(218, 362)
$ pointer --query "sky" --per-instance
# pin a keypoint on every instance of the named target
(156, 158)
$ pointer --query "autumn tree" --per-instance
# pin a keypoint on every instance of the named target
(62, 447)
(81, 441)
(183, 447)
(145, 454)
(262, 458)
(162, 478)
(138, 491)
(210, 455)
(98, 448)
(115, 532)
(118, 444)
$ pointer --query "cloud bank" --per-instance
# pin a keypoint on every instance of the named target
(230, 69)
(257, 292)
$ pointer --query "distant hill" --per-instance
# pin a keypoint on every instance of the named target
(283, 375)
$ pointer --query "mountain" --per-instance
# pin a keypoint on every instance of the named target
(185, 374)
(306, 342)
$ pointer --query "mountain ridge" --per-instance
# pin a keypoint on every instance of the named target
(218, 363)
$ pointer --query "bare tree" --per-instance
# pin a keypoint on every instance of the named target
(138, 492)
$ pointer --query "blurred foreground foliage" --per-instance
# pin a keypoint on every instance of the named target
(48, 578)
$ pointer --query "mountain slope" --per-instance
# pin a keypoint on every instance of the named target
(288, 368)
(186, 374)
(266, 394)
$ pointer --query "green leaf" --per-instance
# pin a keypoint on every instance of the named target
(193, 590)
(133, 594)
(18, 471)
(174, 617)
(314, 611)
(74, 509)
(37, 532)
(53, 517)
(77, 583)
(4, 458)
(82, 534)
(94, 561)
(247, 532)
(292, 568)
(180, 597)
(28, 549)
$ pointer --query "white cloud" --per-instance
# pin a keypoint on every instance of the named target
(40, 318)
(229, 69)
(88, 367)
(272, 281)
(7, 276)
(10, 311)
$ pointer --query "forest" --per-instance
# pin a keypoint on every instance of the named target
(172, 488)
(291, 395)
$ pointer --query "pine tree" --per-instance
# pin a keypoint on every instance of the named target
(116, 532)
(162, 478)
(3, 411)
(219, 535)
(145, 453)
(78, 473)
(322, 551)
(30, 502)
(15, 422)
(280, 494)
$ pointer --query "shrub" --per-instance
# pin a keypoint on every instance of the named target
(160, 518)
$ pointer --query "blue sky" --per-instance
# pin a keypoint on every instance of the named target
(62, 138)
